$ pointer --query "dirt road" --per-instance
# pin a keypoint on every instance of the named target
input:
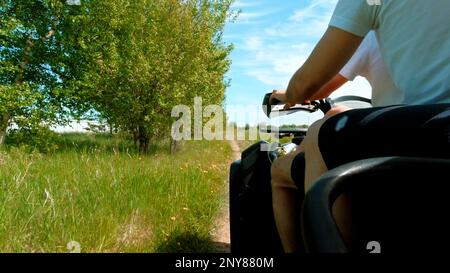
(221, 232)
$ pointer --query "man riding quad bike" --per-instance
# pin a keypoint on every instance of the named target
(391, 209)
(374, 176)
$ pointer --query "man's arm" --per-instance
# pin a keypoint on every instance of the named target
(331, 86)
(332, 52)
(324, 92)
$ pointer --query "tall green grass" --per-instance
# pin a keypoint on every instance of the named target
(109, 199)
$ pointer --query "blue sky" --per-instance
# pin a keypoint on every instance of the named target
(272, 40)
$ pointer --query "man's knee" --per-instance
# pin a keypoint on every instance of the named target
(281, 172)
(315, 166)
(337, 109)
(312, 136)
(277, 169)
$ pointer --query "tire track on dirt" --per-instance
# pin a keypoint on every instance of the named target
(221, 232)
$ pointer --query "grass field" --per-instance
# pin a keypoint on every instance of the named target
(96, 191)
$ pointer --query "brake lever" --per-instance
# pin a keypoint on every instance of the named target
(323, 105)
(269, 103)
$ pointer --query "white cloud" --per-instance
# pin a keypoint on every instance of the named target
(268, 77)
(243, 4)
(252, 12)
(310, 21)
(272, 63)
(253, 17)
(315, 9)
(245, 16)
(253, 43)
(275, 53)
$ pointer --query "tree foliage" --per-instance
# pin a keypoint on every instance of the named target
(149, 55)
(33, 63)
(128, 61)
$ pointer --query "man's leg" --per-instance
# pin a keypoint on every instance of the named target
(286, 204)
(412, 131)
(316, 167)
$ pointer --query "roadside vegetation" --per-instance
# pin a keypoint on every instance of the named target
(123, 65)
(98, 191)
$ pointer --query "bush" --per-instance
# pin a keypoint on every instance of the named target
(36, 138)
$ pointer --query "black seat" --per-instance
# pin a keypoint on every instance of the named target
(399, 204)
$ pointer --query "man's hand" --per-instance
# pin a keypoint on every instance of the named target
(281, 96)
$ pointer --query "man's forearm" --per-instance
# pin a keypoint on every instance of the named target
(330, 87)
(300, 88)
(332, 52)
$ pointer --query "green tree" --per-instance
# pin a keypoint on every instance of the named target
(32, 63)
(149, 55)
(125, 61)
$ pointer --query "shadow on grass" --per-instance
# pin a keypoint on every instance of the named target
(189, 242)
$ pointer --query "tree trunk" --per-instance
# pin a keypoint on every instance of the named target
(111, 132)
(4, 122)
(135, 133)
(144, 140)
(144, 145)
(2, 136)
(135, 139)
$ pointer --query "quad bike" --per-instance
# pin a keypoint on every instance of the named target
(398, 204)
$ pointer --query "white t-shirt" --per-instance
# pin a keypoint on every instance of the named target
(414, 41)
(367, 62)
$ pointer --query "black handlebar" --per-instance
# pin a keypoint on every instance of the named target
(323, 105)
(269, 103)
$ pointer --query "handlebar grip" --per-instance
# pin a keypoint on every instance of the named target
(269, 102)
(274, 101)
